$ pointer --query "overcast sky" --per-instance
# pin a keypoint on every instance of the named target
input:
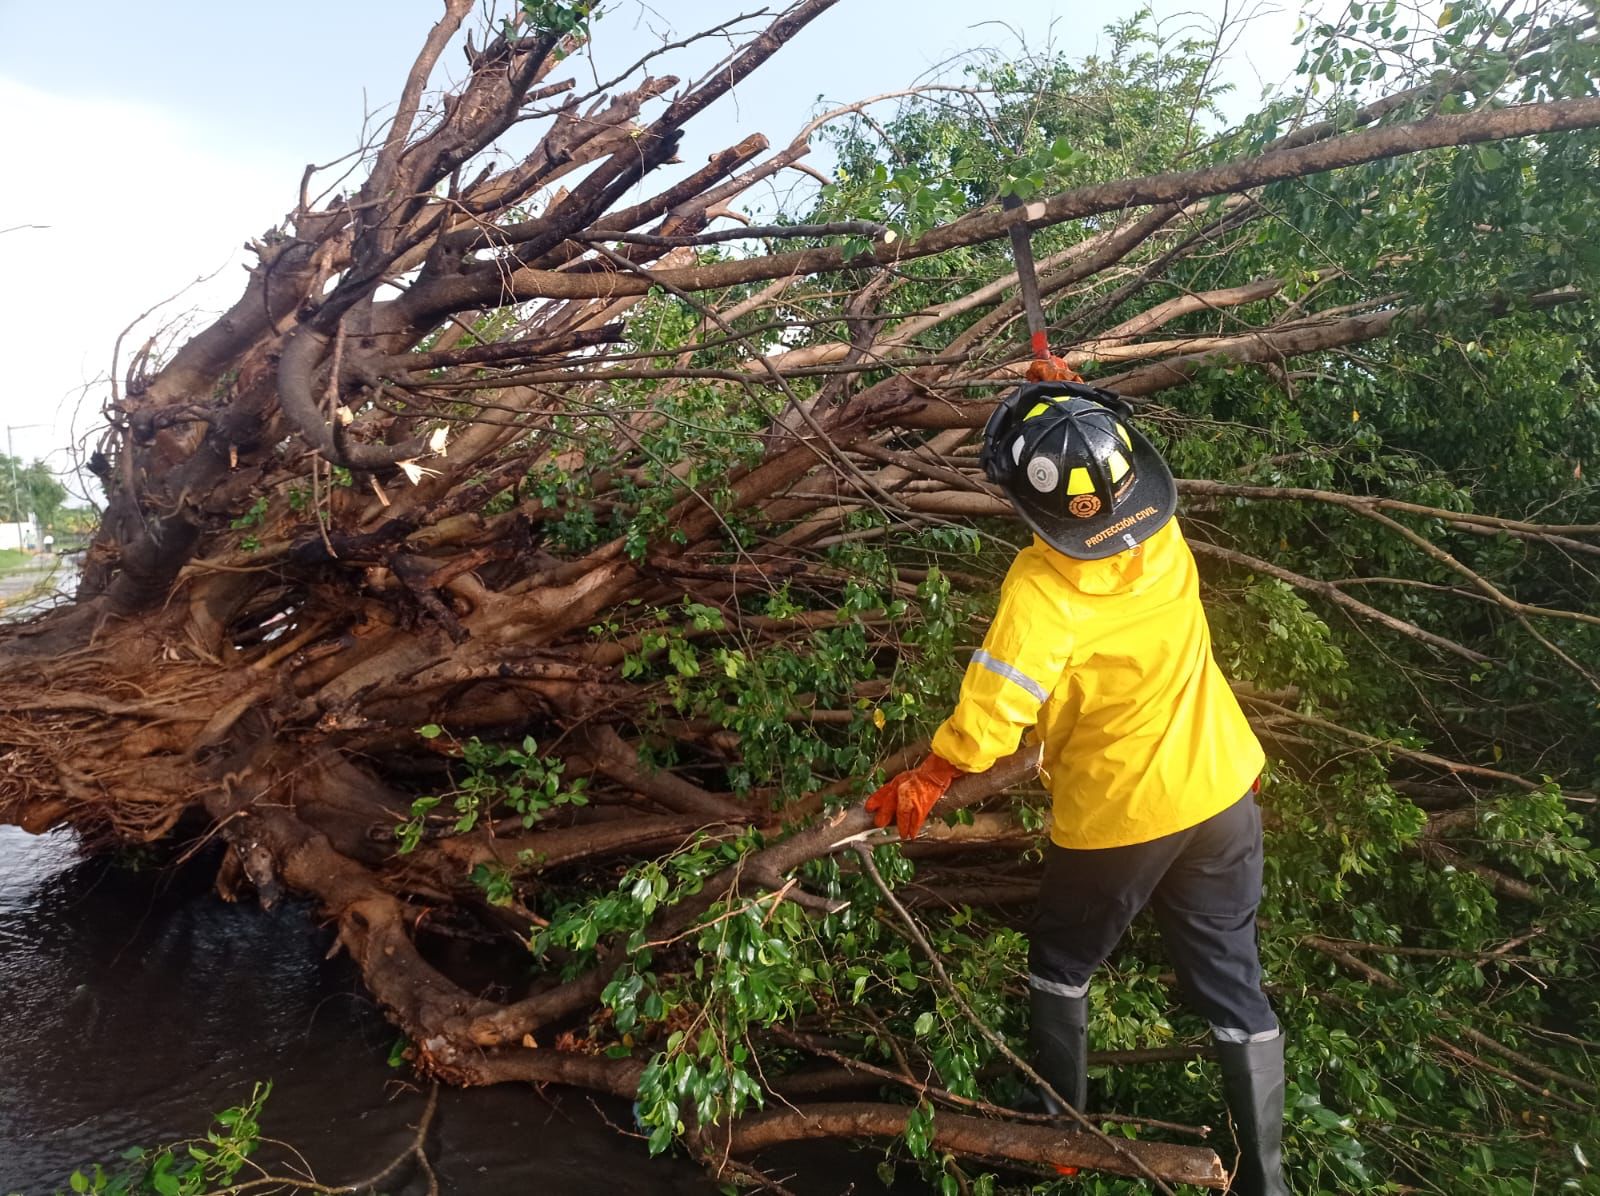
(148, 142)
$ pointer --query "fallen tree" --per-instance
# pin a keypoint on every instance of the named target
(516, 564)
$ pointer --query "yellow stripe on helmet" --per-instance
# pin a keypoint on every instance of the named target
(1078, 481)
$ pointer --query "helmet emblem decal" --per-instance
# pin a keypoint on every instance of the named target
(1043, 475)
(1085, 505)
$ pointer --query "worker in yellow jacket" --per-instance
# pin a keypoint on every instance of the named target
(1100, 645)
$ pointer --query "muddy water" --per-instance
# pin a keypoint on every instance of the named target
(134, 1004)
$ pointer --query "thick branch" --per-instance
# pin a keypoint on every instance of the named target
(1524, 120)
(981, 1138)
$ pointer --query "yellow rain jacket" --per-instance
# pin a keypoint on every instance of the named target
(1140, 735)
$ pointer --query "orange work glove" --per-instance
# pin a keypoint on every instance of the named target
(907, 798)
(1051, 369)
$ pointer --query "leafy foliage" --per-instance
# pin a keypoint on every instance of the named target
(196, 1167)
(1466, 237)
(29, 489)
(1380, 383)
(497, 781)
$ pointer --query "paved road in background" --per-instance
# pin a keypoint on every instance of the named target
(23, 581)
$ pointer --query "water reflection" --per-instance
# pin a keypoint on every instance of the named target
(136, 1004)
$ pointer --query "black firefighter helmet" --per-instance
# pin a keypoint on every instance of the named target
(1077, 470)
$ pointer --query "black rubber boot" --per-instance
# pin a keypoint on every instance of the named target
(1059, 1032)
(1252, 1084)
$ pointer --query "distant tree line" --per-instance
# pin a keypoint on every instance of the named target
(29, 489)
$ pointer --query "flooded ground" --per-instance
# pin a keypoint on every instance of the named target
(135, 1004)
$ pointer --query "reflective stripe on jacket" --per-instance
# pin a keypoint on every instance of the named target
(1111, 661)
